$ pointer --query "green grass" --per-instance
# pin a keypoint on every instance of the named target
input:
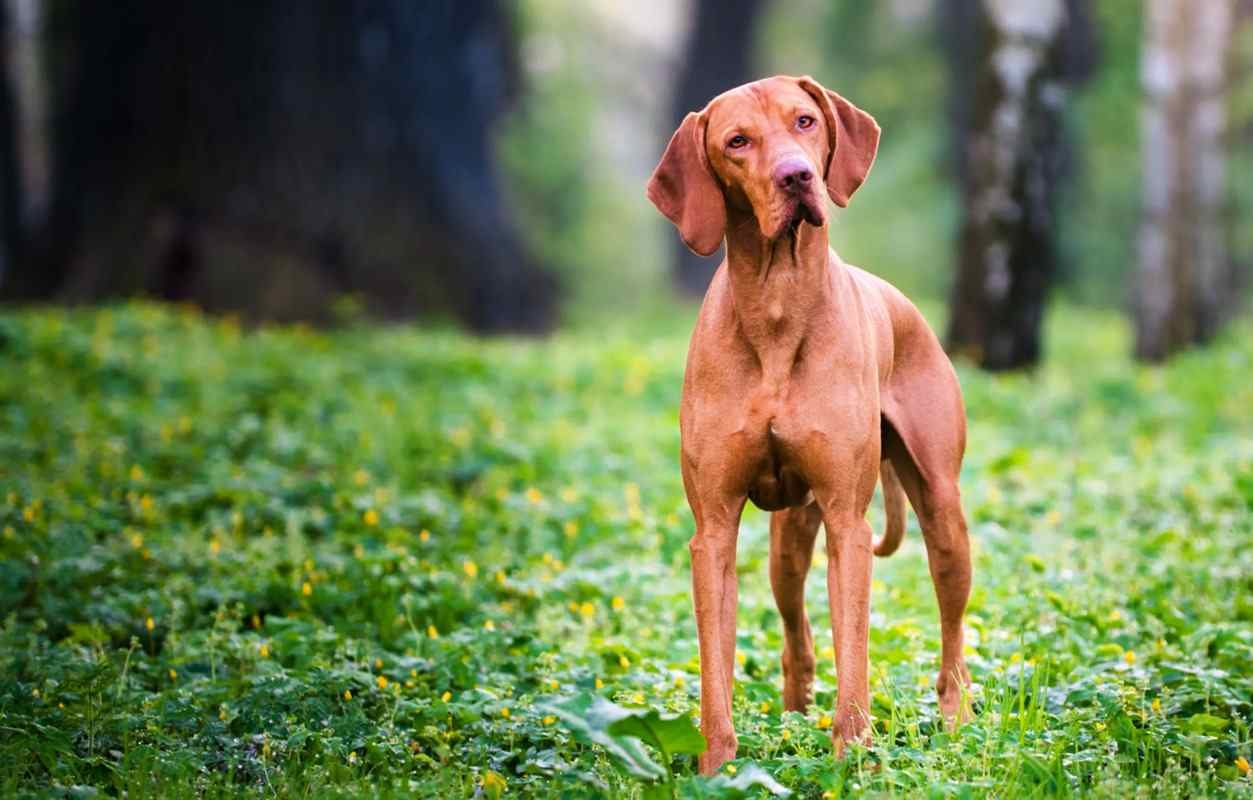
(371, 559)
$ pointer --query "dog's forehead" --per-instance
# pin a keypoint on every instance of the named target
(769, 95)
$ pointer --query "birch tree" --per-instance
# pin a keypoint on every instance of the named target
(1184, 276)
(1013, 63)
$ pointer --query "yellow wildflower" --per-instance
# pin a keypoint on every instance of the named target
(618, 603)
(347, 694)
(600, 684)
(488, 625)
(446, 696)
(504, 712)
(1157, 705)
(638, 698)
(740, 658)
(1242, 764)
(535, 496)
(571, 528)
(361, 477)
(1129, 657)
(264, 650)
(382, 681)
(424, 535)
(306, 589)
(471, 569)
(824, 721)
(493, 784)
(787, 734)
(679, 681)
(731, 769)
(432, 631)
(370, 517)
(150, 623)
(549, 720)
(765, 707)
(587, 609)
(624, 662)
(215, 546)
(173, 675)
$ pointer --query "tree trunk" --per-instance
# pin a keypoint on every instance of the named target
(1184, 277)
(1012, 64)
(268, 156)
(10, 180)
(717, 57)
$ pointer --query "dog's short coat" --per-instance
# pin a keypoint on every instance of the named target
(807, 380)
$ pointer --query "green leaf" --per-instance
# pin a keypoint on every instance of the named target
(590, 716)
(669, 734)
(747, 777)
(1207, 723)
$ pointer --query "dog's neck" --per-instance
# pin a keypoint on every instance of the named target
(778, 286)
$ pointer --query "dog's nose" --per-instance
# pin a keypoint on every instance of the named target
(792, 174)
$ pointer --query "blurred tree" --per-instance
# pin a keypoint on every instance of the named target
(1185, 282)
(1012, 64)
(271, 155)
(717, 57)
(10, 181)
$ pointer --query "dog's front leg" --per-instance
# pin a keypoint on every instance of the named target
(714, 593)
(849, 558)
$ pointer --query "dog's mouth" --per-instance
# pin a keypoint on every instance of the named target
(803, 209)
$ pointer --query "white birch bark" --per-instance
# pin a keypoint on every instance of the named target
(1183, 275)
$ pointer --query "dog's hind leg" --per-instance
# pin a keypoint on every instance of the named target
(930, 482)
(792, 535)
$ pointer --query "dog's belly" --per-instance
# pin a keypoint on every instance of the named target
(778, 484)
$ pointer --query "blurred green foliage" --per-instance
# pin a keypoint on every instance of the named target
(583, 204)
(368, 562)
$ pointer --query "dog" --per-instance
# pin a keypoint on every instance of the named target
(807, 381)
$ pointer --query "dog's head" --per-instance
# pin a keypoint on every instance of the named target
(761, 148)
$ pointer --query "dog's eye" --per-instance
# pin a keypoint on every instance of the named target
(737, 141)
(805, 122)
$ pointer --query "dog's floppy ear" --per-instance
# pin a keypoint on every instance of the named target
(854, 141)
(684, 189)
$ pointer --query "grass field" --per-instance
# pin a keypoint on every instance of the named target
(381, 561)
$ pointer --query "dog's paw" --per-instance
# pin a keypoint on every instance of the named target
(850, 726)
(954, 696)
(798, 683)
(719, 751)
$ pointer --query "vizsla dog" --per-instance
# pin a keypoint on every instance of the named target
(807, 380)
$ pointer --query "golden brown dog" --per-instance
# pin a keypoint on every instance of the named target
(807, 380)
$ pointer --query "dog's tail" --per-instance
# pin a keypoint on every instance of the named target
(894, 509)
